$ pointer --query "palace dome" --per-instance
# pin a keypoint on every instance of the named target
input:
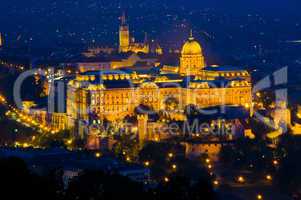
(191, 47)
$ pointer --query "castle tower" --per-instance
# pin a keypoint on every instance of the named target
(124, 35)
(192, 60)
(142, 128)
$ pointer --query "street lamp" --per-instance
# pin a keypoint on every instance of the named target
(268, 177)
(259, 197)
(216, 182)
(241, 179)
(275, 162)
(97, 155)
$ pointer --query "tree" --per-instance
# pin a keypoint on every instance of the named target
(171, 104)
(288, 177)
(98, 185)
(126, 146)
(16, 180)
(247, 154)
(53, 140)
(180, 187)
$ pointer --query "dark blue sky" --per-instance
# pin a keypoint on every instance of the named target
(46, 19)
(272, 6)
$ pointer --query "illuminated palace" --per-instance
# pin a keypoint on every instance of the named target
(115, 94)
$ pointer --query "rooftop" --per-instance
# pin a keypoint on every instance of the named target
(224, 68)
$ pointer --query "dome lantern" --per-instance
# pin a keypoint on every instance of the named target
(191, 47)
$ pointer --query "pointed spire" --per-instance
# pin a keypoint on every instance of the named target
(123, 18)
(191, 35)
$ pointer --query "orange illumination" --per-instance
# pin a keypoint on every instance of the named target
(216, 182)
(275, 162)
(259, 197)
(241, 179)
(268, 177)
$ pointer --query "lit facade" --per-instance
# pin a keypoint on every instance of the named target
(128, 43)
(1, 40)
(192, 60)
(116, 94)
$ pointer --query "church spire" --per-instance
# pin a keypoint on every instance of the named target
(123, 19)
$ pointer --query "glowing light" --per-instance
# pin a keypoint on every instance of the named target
(166, 179)
(216, 182)
(97, 155)
(25, 145)
(259, 197)
(174, 166)
(170, 155)
(241, 179)
(207, 160)
(275, 162)
(146, 163)
(268, 177)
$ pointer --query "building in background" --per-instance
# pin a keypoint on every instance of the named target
(128, 43)
(1, 40)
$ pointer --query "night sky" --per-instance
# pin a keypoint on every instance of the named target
(51, 22)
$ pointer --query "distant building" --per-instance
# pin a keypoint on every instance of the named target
(93, 52)
(128, 43)
(115, 62)
(1, 40)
